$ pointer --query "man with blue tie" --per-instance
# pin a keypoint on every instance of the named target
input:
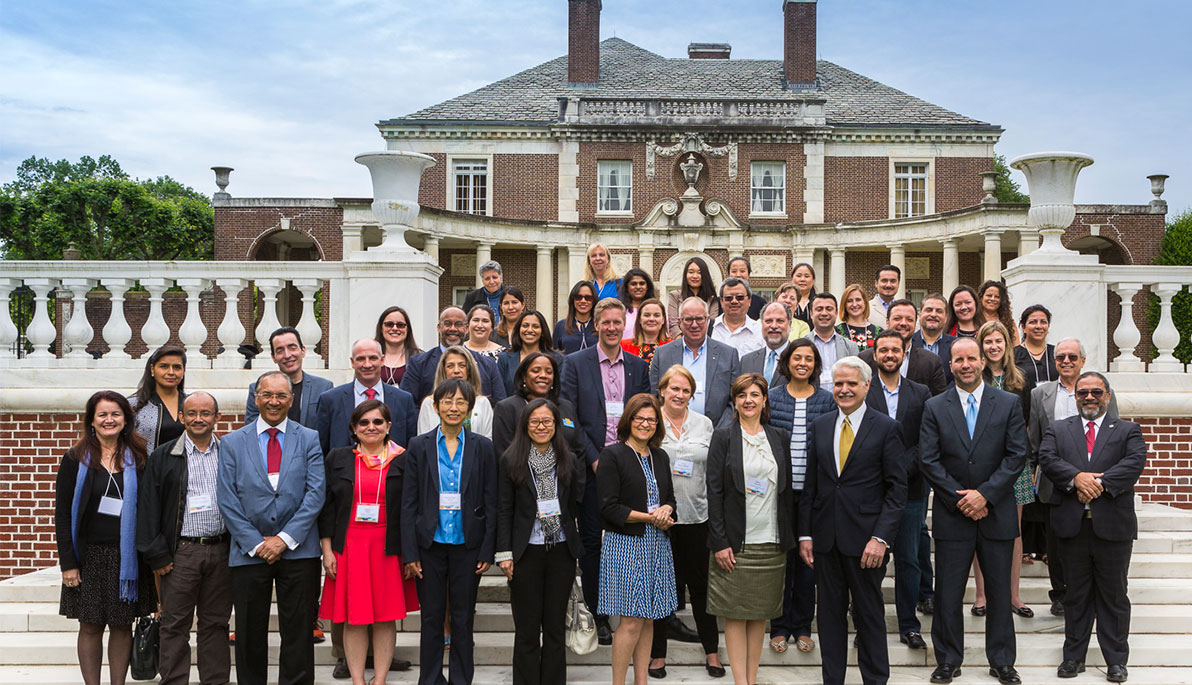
(270, 489)
(776, 330)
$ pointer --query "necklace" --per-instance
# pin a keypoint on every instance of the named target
(679, 428)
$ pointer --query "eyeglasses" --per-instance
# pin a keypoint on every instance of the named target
(542, 423)
(271, 396)
(371, 422)
(645, 420)
(733, 298)
(453, 324)
(399, 325)
(1067, 357)
(583, 298)
(1095, 392)
(693, 320)
(206, 414)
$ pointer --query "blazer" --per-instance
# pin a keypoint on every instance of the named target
(570, 343)
(912, 397)
(723, 367)
(517, 510)
(945, 351)
(419, 380)
(312, 387)
(866, 499)
(755, 362)
(923, 368)
(480, 296)
(420, 496)
(340, 465)
(878, 312)
(335, 411)
(507, 365)
(726, 488)
(252, 510)
(621, 486)
(844, 346)
(507, 414)
(582, 370)
(64, 485)
(1119, 452)
(1042, 415)
(988, 462)
(673, 302)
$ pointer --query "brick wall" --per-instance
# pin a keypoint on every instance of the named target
(432, 189)
(526, 187)
(239, 231)
(856, 188)
(958, 181)
(1168, 475)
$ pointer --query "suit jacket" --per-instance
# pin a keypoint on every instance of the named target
(877, 312)
(517, 510)
(584, 388)
(924, 368)
(844, 346)
(252, 510)
(336, 407)
(726, 488)
(755, 362)
(419, 380)
(420, 496)
(723, 367)
(1042, 415)
(479, 296)
(865, 500)
(340, 465)
(988, 462)
(912, 397)
(945, 351)
(312, 387)
(1119, 452)
(621, 486)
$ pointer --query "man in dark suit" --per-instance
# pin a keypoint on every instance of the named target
(973, 447)
(599, 381)
(918, 364)
(490, 292)
(931, 335)
(902, 400)
(287, 351)
(713, 364)
(849, 516)
(776, 331)
(420, 369)
(1094, 460)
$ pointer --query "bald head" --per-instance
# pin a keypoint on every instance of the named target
(452, 324)
(366, 361)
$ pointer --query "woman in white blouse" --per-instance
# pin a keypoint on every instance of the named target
(688, 435)
(457, 362)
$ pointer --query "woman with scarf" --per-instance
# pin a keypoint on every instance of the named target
(95, 523)
(537, 540)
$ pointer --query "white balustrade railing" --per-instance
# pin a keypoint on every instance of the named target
(71, 281)
(1164, 281)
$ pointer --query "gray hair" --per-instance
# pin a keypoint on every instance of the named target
(490, 265)
(733, 281)
(370, 340)
(693, 298)
(275, 372)
(204, 393)
(853, 362)
(1079, 346)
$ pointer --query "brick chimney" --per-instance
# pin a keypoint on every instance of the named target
(798, 62)
(583, 42)
(709, 50)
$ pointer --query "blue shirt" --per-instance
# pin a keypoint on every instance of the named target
(891, 397)
(609, 289)
(451, 529)
(263, 438)
(697, 364)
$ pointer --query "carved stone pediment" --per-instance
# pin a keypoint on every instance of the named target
(715, 215)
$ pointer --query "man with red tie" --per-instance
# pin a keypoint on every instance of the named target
(1094, 460)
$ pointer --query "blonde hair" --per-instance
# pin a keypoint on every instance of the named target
(676, 370)
(473, 377)
(1012, 378)
(610, 272)
(844, 298)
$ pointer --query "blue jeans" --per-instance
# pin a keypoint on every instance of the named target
(907, 575)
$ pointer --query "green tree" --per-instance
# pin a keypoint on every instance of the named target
(1006, 190)
(106, 214)
(1176, 250)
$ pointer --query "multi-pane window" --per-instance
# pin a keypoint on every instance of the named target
(910, 190)
(471, 186)
(614, 186)
(767, 188)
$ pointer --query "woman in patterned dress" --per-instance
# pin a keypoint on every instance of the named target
(854, 318)
(649, 331)
(637, 502)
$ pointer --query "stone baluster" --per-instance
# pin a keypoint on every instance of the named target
(1166, 336)
(78, 332)
(308, 326)
(155, 332)
(8, 329)
(269, 288)
(1126, 336)
(117, 332)
(231, 331)
(192, 332)
(41, 332)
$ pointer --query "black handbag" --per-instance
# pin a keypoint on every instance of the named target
(145, 636)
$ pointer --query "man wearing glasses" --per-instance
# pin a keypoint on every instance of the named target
(713, 363)
(734, 327)
(419, 380)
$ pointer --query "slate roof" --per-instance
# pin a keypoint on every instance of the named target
(626, 70)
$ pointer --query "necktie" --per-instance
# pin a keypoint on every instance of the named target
(273, 452)
(770, 360)
(846, 441)
(1090, 437)
(970, 415)
(370, 393)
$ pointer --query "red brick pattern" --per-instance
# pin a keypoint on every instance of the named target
(583, 41)
(799, 42)
(856, 188)
(432, 190)
(958, 181)
(1168, 475)
(526, 187)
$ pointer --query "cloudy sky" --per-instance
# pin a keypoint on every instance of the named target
(288, 92)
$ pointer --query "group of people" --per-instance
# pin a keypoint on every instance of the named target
(753, 459)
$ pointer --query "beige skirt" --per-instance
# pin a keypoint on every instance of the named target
(753, 591)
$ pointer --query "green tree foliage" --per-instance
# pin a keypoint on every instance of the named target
(1176, 250)
(107, 215)
(1006, 190)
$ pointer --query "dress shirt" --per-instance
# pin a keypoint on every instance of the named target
(761, 511)
(977, 393)
(827, 350)
(612, 377)
(933, 347)
(201, 469)
(1065, 403)
(697, 364)
(263, 442)
(891, 396)
(358, 389)
(631, 323)
(451, 529)
(906, 363)
(691, 491)
(745, 339)
(1084, 428)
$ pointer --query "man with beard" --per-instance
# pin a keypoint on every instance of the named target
(776, 330)
(918, 364)
(420, 369)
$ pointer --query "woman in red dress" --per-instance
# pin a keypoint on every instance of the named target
(360, 534)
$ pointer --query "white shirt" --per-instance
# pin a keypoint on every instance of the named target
(854, 420)
(977, 393)
(745, 339)
(358, 389)
(761, 511)
(691, 491)
(1084, 428)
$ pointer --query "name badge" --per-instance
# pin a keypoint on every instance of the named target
(368, 513)
(273, 479)
(757, 486)
(683, 467)
(449, 501)
(549, 507)
(199, 503)
(615, 408)
(110, 506)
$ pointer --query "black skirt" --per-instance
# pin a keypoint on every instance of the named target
(97, 597)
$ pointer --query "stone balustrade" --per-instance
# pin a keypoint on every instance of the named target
(1165, 282)
(787, 111)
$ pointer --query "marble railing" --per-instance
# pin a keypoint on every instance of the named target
(795, 112)
(1165, 282)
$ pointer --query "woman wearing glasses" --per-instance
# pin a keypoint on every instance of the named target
(396, 339)
(577, 332)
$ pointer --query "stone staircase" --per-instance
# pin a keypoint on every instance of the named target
(38, 646)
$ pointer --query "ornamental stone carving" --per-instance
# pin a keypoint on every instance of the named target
(691, 142)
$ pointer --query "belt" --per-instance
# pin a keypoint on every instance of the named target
(207, 539)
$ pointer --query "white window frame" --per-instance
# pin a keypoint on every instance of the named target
(781, 195)
(929, 182)
(452, 197)
(459, 293)
(626, 210)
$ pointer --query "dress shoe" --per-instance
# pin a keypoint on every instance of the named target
(1005, 675)
(604, 633)
(399, 665)
(657, 672)
(978, 610)
(1057, 608)
(715, 671)
(1069, 668)
(927, 606)
(340, 671)
(913, 640)
(677, 630)
(1116, 673)
(944, 673)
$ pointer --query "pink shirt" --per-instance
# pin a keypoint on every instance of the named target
(612, 377)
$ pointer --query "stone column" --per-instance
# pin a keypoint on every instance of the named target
(813, 178)
(951, 277)
(993, 255)
(817, 263)
(353, 238)
(564, 266)
(545, 281)
(577, 255)
(431, 247)
(898, 259)
(1028, 241)
(484, 252)
(837, 279)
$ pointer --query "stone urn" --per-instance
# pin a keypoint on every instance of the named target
(396, 175)
(1051, 180)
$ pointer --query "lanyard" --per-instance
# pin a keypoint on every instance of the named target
(111, 482)
(360, 486)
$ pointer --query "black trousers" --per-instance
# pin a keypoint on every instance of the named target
(539, 591)
(1097, 578)
(798, 593)
(448, 573)
(953, 560)
(296, 581)
(689, 545)
(1055, 564)
(591, 531)
(837, 577)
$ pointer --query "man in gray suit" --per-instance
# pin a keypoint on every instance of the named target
(831, 345)
(776, 331)
(1051, 402)
(713, 363)
(287, 351)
